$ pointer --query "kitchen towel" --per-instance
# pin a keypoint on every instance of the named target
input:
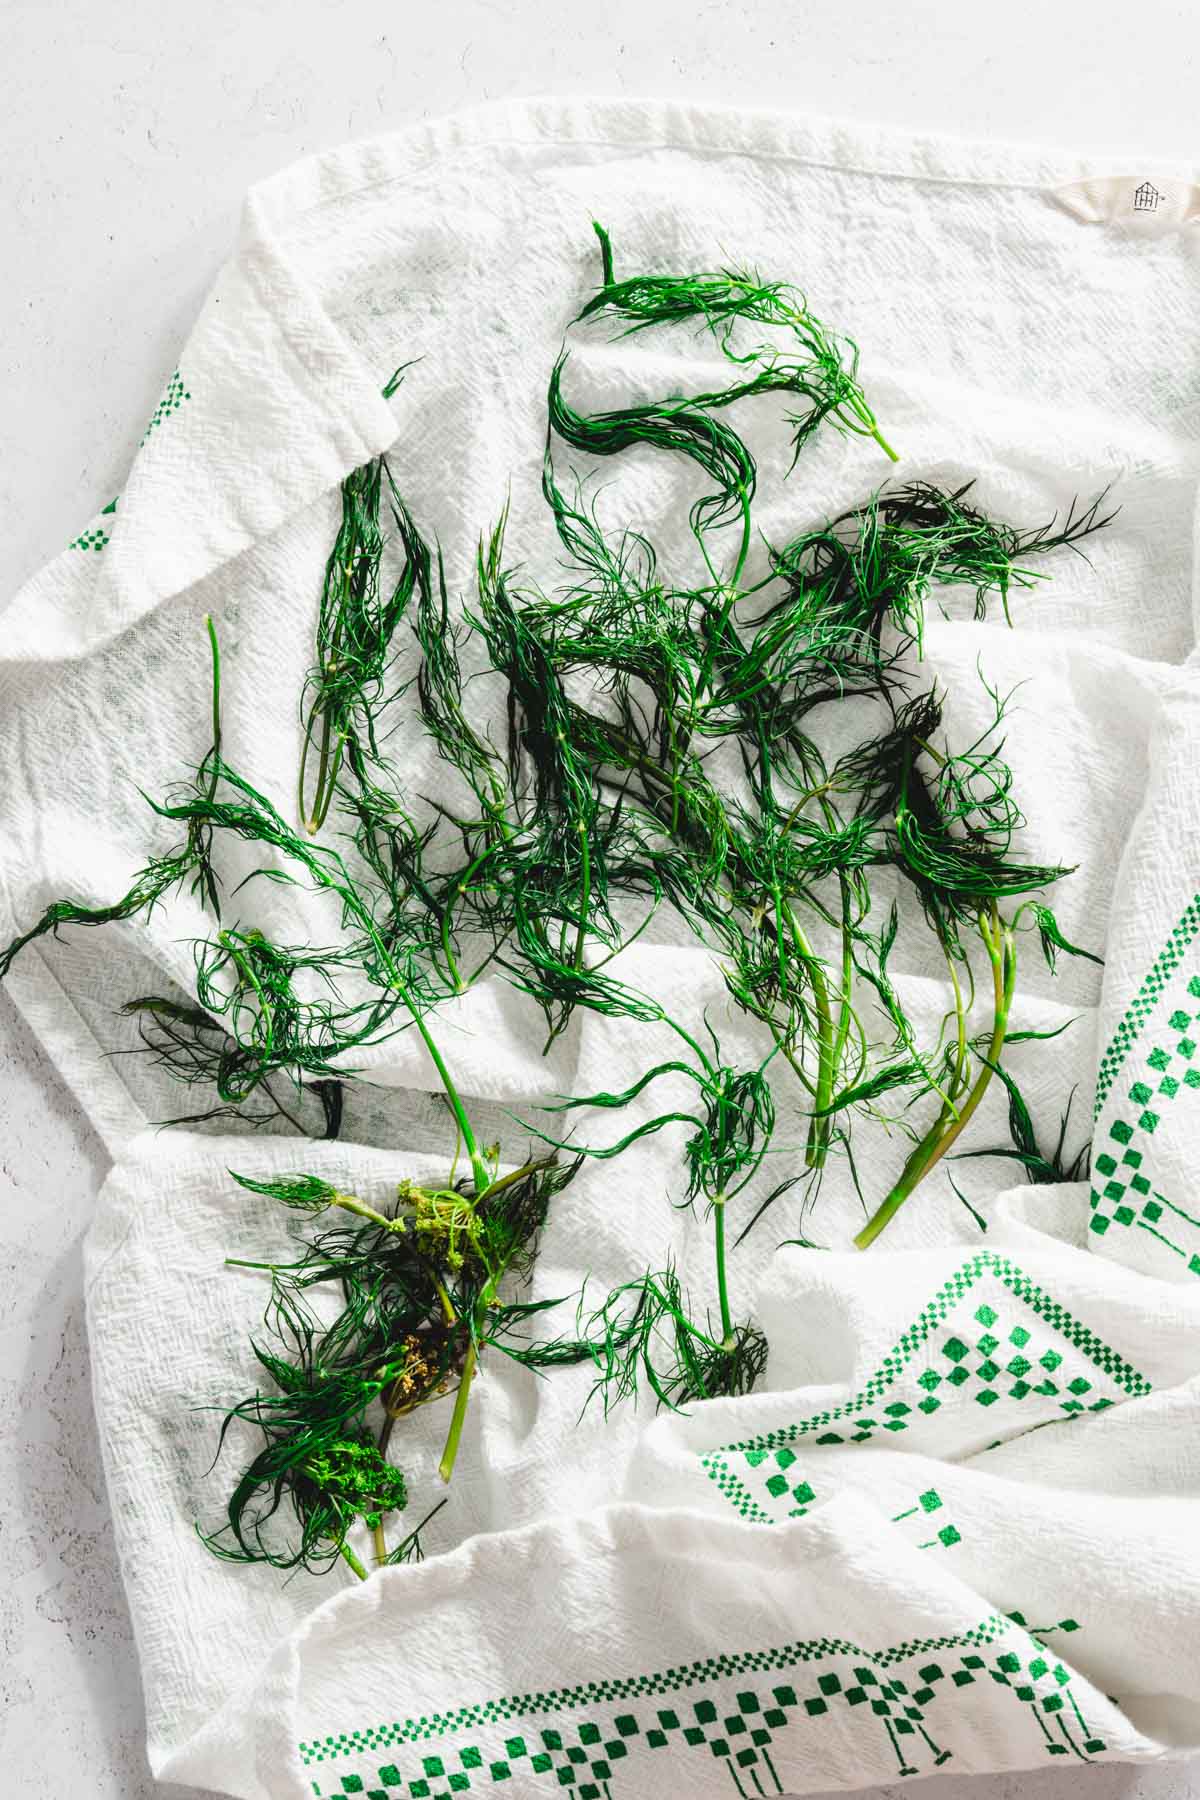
(954, 1527)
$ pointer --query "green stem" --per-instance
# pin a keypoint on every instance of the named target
(215, 647)
(960, 1049)
(934, 1145)
(727, 1337)
(448, 912)
(266, 1014)
(585, 900)
(478, 1166)
(789, 1056)
(353, 1561)
(846, 1015)
(454, 1435)
(452, 968)
(444, 1297)
(818, 1131)
(507, 1181)
(349, 1204)
(732, 595)
(313, 817)
(868, 426)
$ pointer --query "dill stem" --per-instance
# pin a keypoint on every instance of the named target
(314, 817)
(846, 1009)
(451, 961)
(818, 1131)
(674, 773)
(460, 887)
(349, 1204)
(960, 1015)
(727, 1338)
(353, 1562)
(789, 1056)
(356, 907)
(215, 648)
(478, 1169)
(506, 1181)
(884, 445)
(471, 1359)
(585, 900)
(732, 596)
(454, 1435)
(246, 971)
(455, 1157)
(998, 941)
(447, 1303)
(869, 426)
(483, 1191)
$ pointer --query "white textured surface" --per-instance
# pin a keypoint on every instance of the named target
(128, 136)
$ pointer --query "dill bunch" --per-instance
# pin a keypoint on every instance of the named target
(657, 748)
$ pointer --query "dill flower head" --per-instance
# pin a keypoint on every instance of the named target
(355, 1478)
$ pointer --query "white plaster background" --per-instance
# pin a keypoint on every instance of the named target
(129, 130)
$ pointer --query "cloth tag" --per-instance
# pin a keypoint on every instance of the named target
(1151, 208)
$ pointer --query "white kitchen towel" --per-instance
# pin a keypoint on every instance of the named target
(955, 1527)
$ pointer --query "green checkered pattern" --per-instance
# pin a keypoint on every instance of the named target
(783, 1481)
(928, 1513)
(1123, 1190)
(1145, 1001)
(729, 1708)
(95, 537)
(991, 1337)
(174, 397)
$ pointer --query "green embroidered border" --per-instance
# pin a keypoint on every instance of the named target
(95, 537)
(630, 1687)
(1128, 1196)
(984, 1262)
(739, 1729)
(173, 398)
(1145, 1000)
(900, 1417)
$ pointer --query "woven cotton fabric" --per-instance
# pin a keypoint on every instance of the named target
(954, 1529)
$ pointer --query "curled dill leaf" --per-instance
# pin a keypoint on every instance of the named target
(645, 1332)
(1040, 1166)
(317, 1452)
(810, 362)
(306, 1193)
(355, 627)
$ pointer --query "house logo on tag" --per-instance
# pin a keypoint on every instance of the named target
(1133, 202)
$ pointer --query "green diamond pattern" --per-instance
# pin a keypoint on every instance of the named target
(1122, 1192)
(96, 536)
(1146, 999)
(963, 1337)
(757, 1728)
(173, 398)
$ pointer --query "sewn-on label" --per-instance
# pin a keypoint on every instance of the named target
(1151, 208)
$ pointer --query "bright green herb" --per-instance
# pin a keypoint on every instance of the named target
(663, 754)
